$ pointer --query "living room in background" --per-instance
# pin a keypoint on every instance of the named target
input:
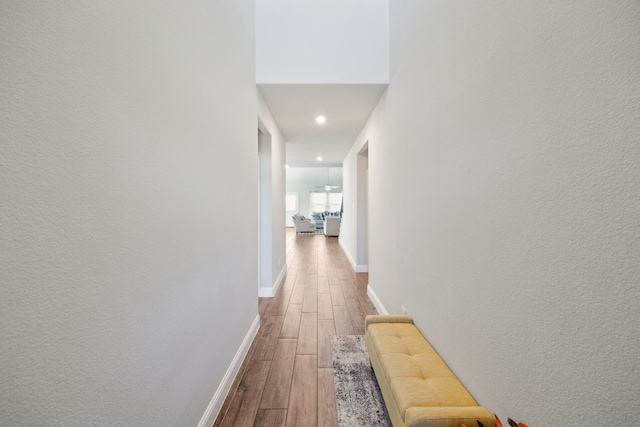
(308, 180)
(323, 205)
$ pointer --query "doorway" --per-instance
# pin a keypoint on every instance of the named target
(362, 227)
(265, 232)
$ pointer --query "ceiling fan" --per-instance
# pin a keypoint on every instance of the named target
(328, 187)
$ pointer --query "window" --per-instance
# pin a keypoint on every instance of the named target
(325, 202)
(335, 202)
(318, 202)
(291, 202)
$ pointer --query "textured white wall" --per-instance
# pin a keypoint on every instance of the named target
(505, 197)
(333, 41)
(127, 282)
(348, 227)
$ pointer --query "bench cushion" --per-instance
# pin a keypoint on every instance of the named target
(415, 380)
(416, 373)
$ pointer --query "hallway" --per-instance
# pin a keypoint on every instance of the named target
(287, 377)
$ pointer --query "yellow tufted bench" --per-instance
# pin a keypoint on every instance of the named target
(418, 388)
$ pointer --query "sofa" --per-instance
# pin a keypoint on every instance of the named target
(302, 224)
(418, 388)
(320, 217)
(332, 226)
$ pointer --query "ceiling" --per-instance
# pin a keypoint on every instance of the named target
(294, 107)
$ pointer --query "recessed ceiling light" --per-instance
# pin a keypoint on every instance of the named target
(321, 119)
(286, 166)
(319, 158)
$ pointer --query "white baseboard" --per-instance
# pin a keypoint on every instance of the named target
(271, 291)
(357, 268)
(220, 395)
(376, 301)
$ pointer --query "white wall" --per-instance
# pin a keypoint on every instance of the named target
(349, 225)
(274, 225)
(505, 174)
(304, 180)
(127, 283)
(333, 41)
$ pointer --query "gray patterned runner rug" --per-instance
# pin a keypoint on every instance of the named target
(359, 402)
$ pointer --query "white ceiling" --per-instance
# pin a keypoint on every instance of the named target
(295, 106)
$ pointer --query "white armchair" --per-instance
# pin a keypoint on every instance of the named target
(332, 226)
(302, 224)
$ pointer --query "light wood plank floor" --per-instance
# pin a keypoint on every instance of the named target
(287, 377)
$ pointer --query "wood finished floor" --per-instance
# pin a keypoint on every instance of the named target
(287, 376)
